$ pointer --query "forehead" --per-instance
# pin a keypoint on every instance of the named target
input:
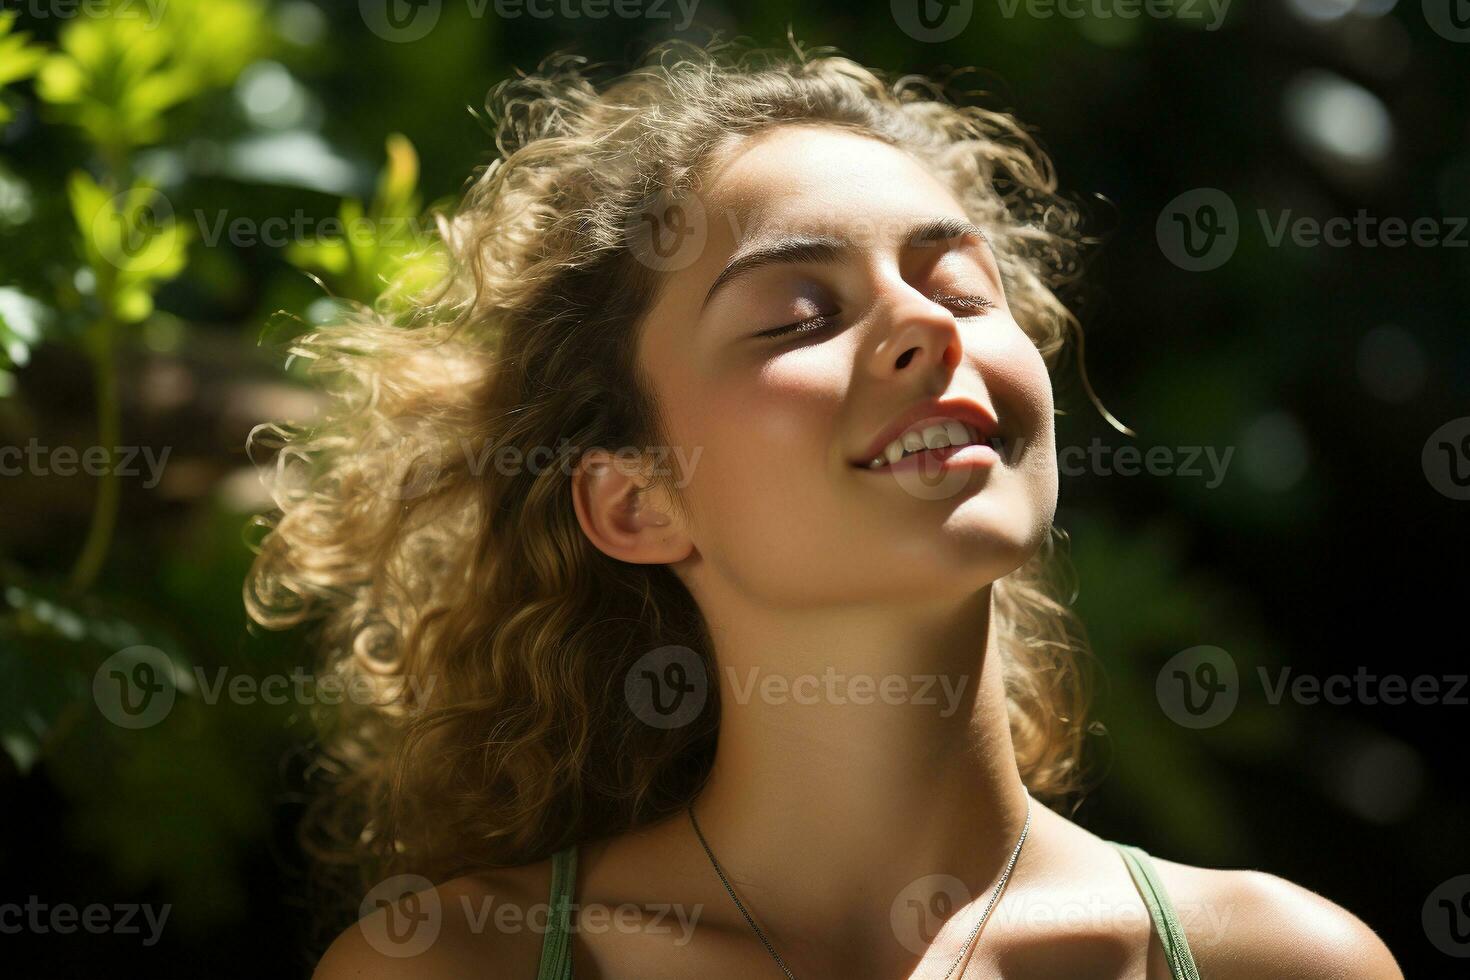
(821, 179)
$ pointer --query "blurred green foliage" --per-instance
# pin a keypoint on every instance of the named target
(382, 243)
(127, 320)
(18, 57)
(168, 806)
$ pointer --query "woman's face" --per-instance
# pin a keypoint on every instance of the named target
(777, 425)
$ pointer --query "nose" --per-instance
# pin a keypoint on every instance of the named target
(915, 334)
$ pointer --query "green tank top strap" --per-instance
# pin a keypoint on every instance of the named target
(1161, 910)
(556, 946)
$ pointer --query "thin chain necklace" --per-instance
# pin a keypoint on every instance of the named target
(995, 894)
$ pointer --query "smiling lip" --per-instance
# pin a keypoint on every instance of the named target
(961, 409)
(975, 455)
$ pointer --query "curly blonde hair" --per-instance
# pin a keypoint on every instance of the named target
(493, 635)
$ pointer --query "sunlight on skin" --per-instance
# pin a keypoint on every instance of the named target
(801, 561)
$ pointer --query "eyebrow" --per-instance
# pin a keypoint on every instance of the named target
(792, 249)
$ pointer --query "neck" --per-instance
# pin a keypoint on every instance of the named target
(860, 751)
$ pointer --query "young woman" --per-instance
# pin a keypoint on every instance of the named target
(695, 538)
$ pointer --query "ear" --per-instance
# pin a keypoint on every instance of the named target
(624, 513)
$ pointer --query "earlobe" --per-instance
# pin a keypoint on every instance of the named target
(624, 514)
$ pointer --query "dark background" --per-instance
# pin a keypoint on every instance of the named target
(1333, 546)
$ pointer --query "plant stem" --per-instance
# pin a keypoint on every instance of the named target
(104, 510)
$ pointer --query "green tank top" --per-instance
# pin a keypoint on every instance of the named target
(556, 948)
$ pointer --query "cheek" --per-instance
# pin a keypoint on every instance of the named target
(772, 430)
(1033, 396)
(762, 494)
(1016, 377)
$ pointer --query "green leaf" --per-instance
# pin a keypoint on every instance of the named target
(115, 76)
(18, 57)
(133, 305)
(86, 196)
(159, 91)
(214, 40)
(327, 255)
(397, 182)
(131, 241)
(61, 80)
(384, 248)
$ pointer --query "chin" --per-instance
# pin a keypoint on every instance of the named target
(964, 555)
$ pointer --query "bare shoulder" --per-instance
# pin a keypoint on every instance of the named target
(1244, 924)
(490, 924)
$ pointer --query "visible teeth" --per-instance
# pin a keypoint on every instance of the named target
(950, 432)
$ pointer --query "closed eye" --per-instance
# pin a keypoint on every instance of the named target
(810, 325)
(963, 305)
(968, 305)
